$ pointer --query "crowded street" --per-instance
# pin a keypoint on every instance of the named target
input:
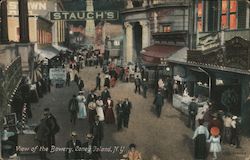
(164, 137)
(124, 80)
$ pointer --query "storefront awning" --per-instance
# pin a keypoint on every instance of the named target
(157, 54)
(61, 48)
(47, 52)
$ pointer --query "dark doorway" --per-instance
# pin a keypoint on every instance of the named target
(137, 32)
(235, 109)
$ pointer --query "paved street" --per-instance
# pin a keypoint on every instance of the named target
(166, 137)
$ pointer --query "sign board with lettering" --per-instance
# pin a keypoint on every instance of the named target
(209, 42)
(84, 15)
(10, 120)
(38, 7)
(57, 74)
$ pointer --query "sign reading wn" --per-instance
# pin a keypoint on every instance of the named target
(84, 15)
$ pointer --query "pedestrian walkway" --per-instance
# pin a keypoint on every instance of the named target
(167, 136)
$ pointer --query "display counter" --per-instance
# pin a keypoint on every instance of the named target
(182, 102)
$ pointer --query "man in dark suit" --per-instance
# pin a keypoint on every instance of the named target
(192, 112)
(91, 97)
(81, 84)
(42, 133)
(158, 102)
(105, 95)
(72, 153)
(127, 105)
(87, 154)
(98, 82)
(97, 131)
(119, 115)
(137, 84)
(73, 109)
(52, 125)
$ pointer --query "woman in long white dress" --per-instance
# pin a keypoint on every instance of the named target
(99, 109)
(81, 103)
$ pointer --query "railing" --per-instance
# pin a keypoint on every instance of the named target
(12, 75)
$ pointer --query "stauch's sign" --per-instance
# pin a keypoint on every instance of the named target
(84, 15)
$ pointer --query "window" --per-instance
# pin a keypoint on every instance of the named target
(199, 16)
(228, 14)
(167, 28)
(18, 34)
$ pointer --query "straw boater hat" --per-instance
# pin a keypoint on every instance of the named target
(81, 92)
(234, 117)
(73, 133)
(92, 106)
(89, 136)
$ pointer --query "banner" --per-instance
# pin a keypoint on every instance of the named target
(57, 74)
(84, 15)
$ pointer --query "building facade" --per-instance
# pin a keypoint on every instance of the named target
(38, 15)
(146, 19)
(216, 66)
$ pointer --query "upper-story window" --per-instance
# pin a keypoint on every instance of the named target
(229, 14)
(137, 3)
(166, 28)
(199, 16)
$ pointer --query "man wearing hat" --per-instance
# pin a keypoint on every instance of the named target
(91, 97)
(88, 147)
(52, 125)
(144, 87)
(98, 82)
(97, 131)
(80, 84)
(158, 102)
(105, 95)
(137, 84)
(42, 133)
(192, 112)
(127, 105)
(235, 139)
(119, 115)
(71, 153)
(73, 109)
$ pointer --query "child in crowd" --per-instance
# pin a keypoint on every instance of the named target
(214, 140)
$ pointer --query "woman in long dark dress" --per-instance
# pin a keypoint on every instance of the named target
(200, 137)
(108, 112)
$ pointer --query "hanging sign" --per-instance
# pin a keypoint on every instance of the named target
(84, 15)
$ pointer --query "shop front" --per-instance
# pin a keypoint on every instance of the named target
(217, 75)
(154, 61)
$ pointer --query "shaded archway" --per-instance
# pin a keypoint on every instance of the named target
(137, 34)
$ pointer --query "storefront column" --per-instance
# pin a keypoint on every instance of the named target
(145, 3)
(129, 42)
(4, 38)
(155, 22)
(23, 21)
(145, 33)
(129, 4)
(247, 16)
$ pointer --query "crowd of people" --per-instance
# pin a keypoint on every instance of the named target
(96, 106)
(215, 127)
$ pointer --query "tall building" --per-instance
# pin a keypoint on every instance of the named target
(90, 24)
(154, 30)
(216, 68)
(41, 30)
(145, 20)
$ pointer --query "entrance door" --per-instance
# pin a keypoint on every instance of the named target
(228, 94)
